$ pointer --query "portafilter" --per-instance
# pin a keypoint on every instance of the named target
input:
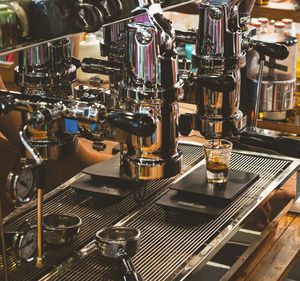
(120, 243)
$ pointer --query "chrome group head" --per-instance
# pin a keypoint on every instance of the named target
(218, 58)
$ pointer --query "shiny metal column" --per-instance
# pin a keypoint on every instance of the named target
(218, 57)
(151, 86)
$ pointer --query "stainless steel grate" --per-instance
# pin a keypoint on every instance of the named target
(95, 212)
(170, 240)
(191, 155)
(183, 241)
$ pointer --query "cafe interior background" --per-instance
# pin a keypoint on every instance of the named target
(105, 106)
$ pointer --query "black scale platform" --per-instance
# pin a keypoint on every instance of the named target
(105, 178)
(194, 194)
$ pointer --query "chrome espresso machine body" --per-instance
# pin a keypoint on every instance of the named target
(146, 80)
(227, 103)
(218, 57)
(140, 111)
(48, 70)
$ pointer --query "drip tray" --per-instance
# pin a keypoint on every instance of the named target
(193, 194)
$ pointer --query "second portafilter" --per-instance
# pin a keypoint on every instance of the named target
(120, 243)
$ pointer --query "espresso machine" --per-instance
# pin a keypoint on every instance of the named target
(46, 74)
(278, 79)
(218, 57)
(140, 112)
(233, 84)
(145, 77)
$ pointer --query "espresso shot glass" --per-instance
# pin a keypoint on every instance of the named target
(217, 156)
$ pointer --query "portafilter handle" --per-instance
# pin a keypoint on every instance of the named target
(221, 83)
(188, 37)
(138, 124)
(92, 65)
(272, 50)
(127, 267)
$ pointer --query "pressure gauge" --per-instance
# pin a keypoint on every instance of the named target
(24, 244)
(20, 187)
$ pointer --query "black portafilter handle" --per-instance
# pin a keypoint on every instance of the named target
(127, 267)
(138, 124)
(6, 104)
(188, 37)
(185, 124)
(221, 83)
(93, 17)
(273, 50)
(92, 65)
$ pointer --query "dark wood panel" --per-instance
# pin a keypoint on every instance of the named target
(276, 11)
(256, 252)
(281, 257)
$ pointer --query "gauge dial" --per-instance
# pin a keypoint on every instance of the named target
(25, 244)
(28, 245)
(21, 183)
(24, 182)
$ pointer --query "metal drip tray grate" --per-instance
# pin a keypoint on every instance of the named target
(95, 212)
(173, 244)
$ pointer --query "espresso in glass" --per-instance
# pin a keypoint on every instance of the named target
(217, 156)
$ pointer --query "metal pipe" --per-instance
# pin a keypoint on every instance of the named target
(39, 161)
(258, 90)
(39, 258)
(79, 110)
(26, 142)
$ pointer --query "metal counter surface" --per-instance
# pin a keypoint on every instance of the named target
(96, 212)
